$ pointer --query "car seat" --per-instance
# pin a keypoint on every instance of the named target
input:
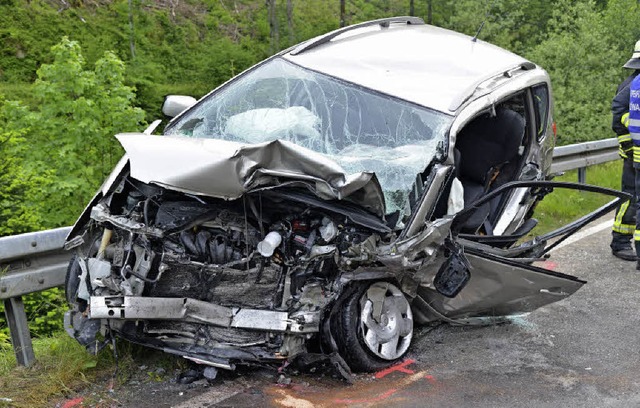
(485, 146)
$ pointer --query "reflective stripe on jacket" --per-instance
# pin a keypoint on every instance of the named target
(634, 118)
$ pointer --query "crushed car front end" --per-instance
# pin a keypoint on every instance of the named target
(246, 273)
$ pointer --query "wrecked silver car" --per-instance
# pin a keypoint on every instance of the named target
(325, 202)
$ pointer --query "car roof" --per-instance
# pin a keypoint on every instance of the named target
(427, 65)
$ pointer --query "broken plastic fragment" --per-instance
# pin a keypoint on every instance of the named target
(328, 230)
(269, 244)
(455, 203)
(210, 373)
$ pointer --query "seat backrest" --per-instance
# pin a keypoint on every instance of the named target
(488, 142)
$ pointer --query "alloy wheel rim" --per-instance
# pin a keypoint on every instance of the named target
(386, 321)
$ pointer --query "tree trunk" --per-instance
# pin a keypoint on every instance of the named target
(342, 13)
(292, 36)
(132, 38)
(412, 10)
(429, 11)
(273, 26)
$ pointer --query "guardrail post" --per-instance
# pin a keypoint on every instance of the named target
(19, 329)
(582, 175)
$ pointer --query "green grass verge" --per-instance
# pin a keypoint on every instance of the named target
(64, 367)
(564, 206)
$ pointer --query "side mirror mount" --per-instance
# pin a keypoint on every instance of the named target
(174, 104)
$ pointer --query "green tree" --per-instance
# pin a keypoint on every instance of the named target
(516, 25)
(584, 55)
(55, 156)
(19, 188)
(78, 111)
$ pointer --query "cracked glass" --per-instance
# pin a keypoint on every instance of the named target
(359, 129)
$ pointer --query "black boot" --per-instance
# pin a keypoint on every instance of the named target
(627, 254)
(621, 246)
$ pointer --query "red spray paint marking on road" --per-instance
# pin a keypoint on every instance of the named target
(367, 400)
(398, 367)
(73, 403)
(549, 265)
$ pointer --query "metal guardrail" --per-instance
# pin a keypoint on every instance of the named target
(29, 263)
(582, 155)
(37, 261)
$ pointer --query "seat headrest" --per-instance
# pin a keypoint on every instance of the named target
(489, 141)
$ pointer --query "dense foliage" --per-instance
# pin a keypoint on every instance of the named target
(67, 134)
(65, 90)
(191, 46)
(57, 151)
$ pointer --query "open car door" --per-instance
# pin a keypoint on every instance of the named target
(482, 276)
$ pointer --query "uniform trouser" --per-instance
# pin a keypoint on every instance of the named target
(625, 221)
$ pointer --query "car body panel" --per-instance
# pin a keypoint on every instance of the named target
(240, 168)
(427, 65)
(499, 287)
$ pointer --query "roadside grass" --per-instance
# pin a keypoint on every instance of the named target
(64, 367)
(563, 206)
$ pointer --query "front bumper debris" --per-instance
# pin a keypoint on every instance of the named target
(197, 311)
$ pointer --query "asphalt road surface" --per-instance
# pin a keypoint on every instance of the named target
(580, 352)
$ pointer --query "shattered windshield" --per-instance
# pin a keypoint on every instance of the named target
(359, 129)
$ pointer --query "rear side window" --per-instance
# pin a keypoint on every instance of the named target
(541, 104)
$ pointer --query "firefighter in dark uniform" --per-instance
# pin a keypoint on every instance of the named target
(625, 223)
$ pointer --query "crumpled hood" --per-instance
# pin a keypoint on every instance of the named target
(227, 170)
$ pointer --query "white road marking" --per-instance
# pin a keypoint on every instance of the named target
(585, 233)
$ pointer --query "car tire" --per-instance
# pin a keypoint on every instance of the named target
(365, 343)
(72, 280)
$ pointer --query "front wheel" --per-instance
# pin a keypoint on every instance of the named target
(373, 327)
